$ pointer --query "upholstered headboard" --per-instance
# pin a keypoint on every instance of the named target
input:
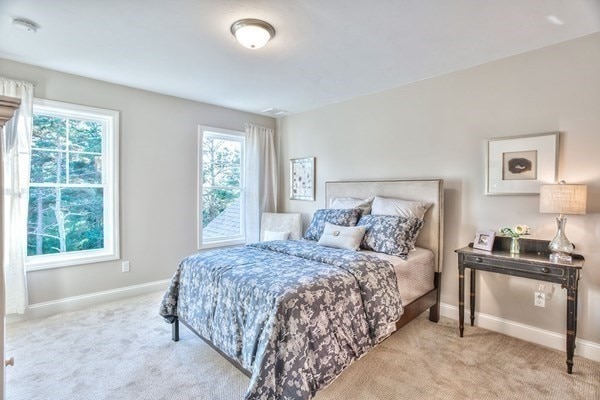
(429, 190)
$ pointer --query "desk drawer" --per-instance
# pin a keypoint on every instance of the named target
(509, 265)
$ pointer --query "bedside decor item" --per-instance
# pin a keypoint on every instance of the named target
(302, 178)
(562, 199)
(484, 240)
(515, 233)
(521, 164)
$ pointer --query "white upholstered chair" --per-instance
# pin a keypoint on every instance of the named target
(281, 222)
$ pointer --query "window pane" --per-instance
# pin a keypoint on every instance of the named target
(221, 162)
(84, 218)
(63, 220)
(48, 132)
(42, 230)
(48, 166)
(85, 136)
(221, 213)
(85, 168)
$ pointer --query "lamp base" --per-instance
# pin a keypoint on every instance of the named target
(560, 243)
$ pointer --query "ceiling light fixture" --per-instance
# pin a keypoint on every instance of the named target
(252, 33)
(25, 25)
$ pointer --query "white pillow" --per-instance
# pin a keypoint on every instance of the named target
(272, 235)
(342, 237)
(401, 208)
(350, 202)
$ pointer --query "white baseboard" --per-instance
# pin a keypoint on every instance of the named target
(46, 309)
(584, 348)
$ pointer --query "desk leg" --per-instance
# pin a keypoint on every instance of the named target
(571, 316)
(472, 297)
(461, 298)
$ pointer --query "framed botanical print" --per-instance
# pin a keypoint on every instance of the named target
(302, 178)
(519, 165)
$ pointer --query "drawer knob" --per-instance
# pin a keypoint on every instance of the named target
(479, 259)
(545, 270)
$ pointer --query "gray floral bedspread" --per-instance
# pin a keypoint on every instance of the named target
(293, 313)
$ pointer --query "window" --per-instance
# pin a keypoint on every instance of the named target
(73, 206)
(220, 187)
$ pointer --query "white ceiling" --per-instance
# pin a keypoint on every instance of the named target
(324, 51)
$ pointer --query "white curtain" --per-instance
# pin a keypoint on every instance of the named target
(261, 178)
(16, 159)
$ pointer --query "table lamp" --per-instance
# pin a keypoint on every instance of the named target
(562, 199)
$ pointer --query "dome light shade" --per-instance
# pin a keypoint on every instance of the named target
(252, 33)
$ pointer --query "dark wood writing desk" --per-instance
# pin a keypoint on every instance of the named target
(532, 263)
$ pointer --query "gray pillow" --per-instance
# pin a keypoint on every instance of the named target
(347, 217)
(390, 234)
(399, 207)
(351, 202)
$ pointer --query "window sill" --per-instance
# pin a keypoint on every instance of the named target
(222, 243)
(49, 262)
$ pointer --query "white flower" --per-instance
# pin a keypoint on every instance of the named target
(516, 231)
(521, 229)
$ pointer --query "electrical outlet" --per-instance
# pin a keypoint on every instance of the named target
(539, 299)
(125, 266)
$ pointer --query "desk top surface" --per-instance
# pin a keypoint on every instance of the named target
(527, 257)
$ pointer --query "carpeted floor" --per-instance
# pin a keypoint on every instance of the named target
(123, 351)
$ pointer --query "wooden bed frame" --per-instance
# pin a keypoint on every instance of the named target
(430, 237)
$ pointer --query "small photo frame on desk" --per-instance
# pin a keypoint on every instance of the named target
(484, 240)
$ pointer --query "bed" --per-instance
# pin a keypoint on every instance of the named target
(292, 315)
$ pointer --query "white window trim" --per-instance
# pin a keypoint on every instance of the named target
(210, 244)
(110, 168)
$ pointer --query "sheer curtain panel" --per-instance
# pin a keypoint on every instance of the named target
(16, 159)
(261, 178)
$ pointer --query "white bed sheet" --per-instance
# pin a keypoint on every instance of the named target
(414, 275)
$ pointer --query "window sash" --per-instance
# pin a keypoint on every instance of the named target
(226, 135)
(109, 177)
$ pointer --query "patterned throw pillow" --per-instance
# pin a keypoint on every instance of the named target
(390, 234)
(346, 217)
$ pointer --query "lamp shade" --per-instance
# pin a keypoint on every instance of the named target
(563, 199)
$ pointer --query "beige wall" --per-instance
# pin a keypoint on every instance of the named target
(158, 178)
(437, 129)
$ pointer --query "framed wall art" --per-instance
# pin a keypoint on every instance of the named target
(484, 240)
(302, 178)
(520, 164)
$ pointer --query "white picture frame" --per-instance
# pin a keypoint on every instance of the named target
(484, 240)
(521, 164)
(302, 179)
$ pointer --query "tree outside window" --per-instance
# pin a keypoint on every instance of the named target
(221, 183)
(72, 183)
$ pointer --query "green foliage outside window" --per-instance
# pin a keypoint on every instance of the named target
(66, 197)
(221, 176)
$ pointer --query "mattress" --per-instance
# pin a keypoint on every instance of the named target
(414, 275)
